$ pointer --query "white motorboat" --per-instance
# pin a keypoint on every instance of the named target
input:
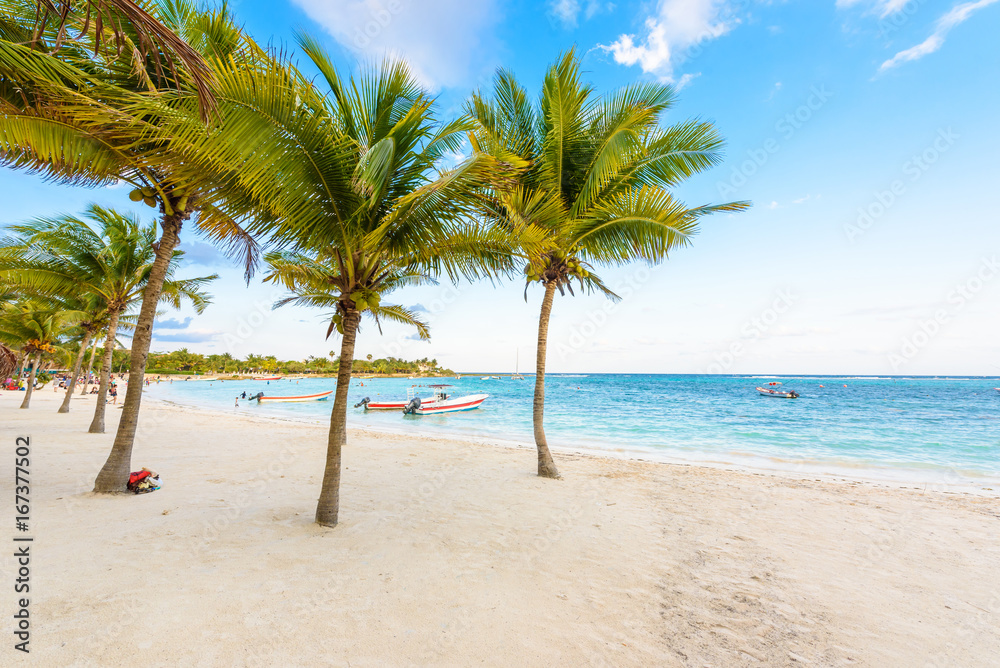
(443, 403)
(771, 390)
(320, 396)
(395, 404)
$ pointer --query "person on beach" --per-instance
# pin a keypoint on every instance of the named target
(237, 402)
(114, 394)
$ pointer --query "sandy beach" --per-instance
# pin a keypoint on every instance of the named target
(455, 554)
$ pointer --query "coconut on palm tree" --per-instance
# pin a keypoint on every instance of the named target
(594, 177)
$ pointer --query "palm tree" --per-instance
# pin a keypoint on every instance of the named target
(594, 178)
(359, 199)
(254, 363)
(226, 359)
(87, 326)
(79, 114)
(90, 368)
(104, 260)
(125, 21)
(34, 327)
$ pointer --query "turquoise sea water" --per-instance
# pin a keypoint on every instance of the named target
(905, 428)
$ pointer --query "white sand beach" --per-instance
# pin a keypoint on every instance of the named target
(455, 554)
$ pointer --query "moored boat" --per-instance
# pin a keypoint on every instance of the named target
(320, 396)
(268, 378)
(771, 390)
(443, 403)
(391, 404)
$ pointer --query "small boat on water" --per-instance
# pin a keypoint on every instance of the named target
(321, 396)
(771, 390)
(485, 378)
(269, 378)
(396, 405)
(443, 403)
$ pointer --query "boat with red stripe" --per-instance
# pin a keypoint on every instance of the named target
(396, 405)
(443, 403)
(771, 390)
(320, 396)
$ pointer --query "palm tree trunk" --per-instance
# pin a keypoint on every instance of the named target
(20, 363)
(7, 363)
(97, 424)
(76, 372)
(31, 380)
(114, 474)
(546, 467)
(90, 367)
(329, 497)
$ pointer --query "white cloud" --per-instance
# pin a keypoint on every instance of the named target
(677, 27)
(595, 7)
(686, 79)
(957, 15)
(568, 11)
(445, 41)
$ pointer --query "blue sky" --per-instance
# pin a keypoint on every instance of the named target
(864, 132)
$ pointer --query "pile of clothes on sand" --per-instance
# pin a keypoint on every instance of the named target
(143, 481)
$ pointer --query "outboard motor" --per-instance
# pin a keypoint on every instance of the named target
(412, 406)
(257, 397)
(363, 402)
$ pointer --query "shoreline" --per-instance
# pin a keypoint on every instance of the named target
(448, 552)
(937, 478)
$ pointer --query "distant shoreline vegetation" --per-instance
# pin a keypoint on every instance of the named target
(184, 362)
